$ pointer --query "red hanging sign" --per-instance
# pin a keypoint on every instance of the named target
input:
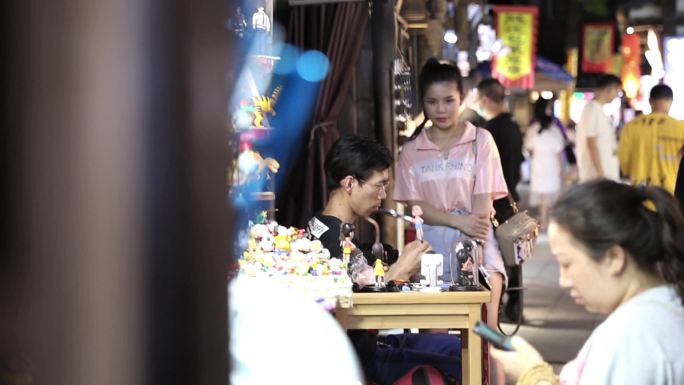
(597, 47)
(631, 67)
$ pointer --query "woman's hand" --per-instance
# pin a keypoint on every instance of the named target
(520, 360)
(473, 225)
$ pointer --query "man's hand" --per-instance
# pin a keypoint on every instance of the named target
(408, 263)
(473, 225)
(518, 361)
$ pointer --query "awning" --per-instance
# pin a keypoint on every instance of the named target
(550, 76)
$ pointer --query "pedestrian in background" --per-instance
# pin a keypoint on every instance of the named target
(544, 140)
(651, 145)
(508, 139)
(596, 142)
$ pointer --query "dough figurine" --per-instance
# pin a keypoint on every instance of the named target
(346, 242)
(417, 213)
(379, 274)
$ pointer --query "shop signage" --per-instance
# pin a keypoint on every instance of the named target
(631, 67)
(597, 47)
(513, 65)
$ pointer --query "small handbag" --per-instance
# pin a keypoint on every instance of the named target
(517, 236)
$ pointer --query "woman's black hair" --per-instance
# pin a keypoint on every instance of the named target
(356, 156)
(645, 221)
(435, 72)
(541, 115)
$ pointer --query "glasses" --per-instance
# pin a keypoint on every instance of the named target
(379, 187)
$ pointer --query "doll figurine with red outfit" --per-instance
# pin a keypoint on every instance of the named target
(346, 242)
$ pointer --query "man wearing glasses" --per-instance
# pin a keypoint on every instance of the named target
(357, 171)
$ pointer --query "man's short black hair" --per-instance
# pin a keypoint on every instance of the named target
(492, 89)
(608, 80)
(661, 91)
(356, 156)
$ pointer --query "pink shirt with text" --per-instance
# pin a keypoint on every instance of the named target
(445, 179)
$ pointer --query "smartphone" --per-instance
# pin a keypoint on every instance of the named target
(497, 339)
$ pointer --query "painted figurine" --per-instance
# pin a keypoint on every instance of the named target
(261, 24)
(417, 213)
(238, 23)
(464, 256)
(346, 242)
(379, 273)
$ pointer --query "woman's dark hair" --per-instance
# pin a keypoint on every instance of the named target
(541, 115)
(357, 156)
(435, 72)
(644, 221)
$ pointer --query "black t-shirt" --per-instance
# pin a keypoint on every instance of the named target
(326, 229)
(508, 139)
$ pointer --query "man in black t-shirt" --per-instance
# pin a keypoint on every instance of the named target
(508, 139)
(357, 170)
(679, 186)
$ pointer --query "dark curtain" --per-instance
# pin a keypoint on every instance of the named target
(337, 30)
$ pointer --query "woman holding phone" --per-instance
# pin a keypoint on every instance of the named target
(621, 253)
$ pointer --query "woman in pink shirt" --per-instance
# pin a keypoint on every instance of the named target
(453, 172)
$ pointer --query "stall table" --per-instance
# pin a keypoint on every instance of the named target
(452, 310)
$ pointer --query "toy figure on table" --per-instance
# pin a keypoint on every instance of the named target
(465, 269)
(347, 234)
(418, 221)
(379, 274)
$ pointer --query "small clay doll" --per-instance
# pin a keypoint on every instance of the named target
(379, 273)
(346, 242)
(417, 213)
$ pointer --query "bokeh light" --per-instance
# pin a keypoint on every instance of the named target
(313, 66)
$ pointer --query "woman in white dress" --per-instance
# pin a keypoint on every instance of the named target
(544, 141)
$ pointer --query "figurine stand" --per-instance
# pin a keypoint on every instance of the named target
(465, 266)
(369, 289)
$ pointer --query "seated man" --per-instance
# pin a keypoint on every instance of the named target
(357, 170)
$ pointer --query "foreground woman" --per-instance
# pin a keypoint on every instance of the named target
(621, 253)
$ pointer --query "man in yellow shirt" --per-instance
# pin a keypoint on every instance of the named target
(651, 145)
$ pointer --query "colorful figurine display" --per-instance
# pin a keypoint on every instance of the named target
(418, 221)
(286, 256)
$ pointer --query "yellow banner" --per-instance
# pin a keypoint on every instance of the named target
(516, 31)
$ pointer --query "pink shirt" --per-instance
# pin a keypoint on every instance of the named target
(445, 180)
